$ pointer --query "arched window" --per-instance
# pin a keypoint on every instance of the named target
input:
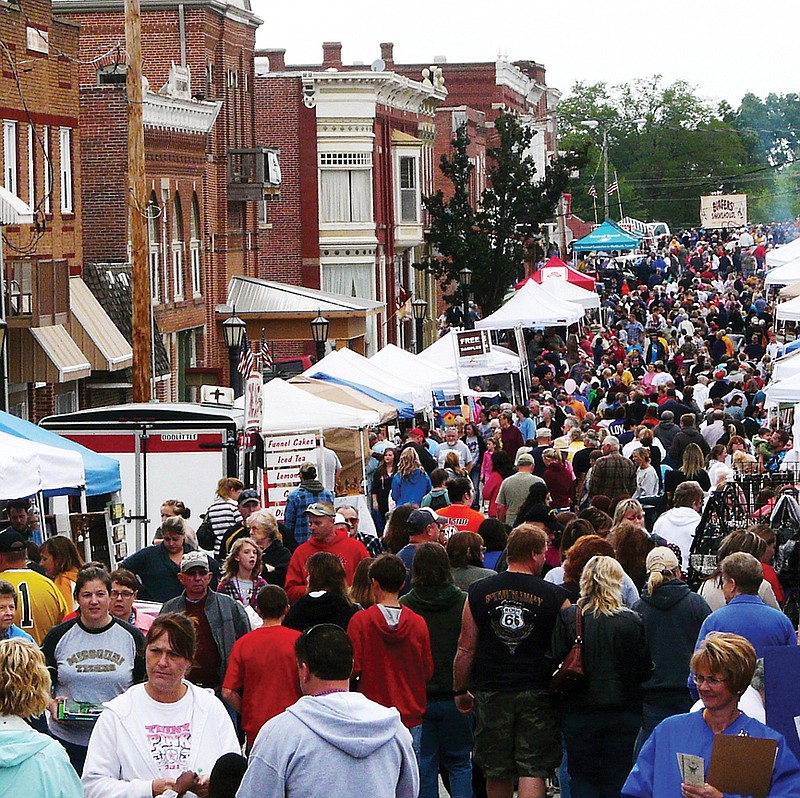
(154, 249)
(177, 248)
(195, 248)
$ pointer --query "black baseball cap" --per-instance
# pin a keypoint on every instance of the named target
(11, 540)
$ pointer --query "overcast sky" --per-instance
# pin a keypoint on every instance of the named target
(724, 48)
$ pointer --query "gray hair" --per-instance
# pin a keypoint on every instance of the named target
(612, 441)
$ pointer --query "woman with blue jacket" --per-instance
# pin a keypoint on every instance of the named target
(410, 483)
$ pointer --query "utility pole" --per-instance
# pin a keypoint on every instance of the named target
(605, 173)
(140, 271)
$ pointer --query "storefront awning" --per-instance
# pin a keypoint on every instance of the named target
(94, 331)
(65, 361)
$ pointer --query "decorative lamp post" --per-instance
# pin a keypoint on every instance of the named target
(233, 331)
(419, 307)
(319, 332)
(465, 278)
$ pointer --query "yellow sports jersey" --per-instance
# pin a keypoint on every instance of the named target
(40, 605)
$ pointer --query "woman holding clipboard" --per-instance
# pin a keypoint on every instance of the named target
(677, 758)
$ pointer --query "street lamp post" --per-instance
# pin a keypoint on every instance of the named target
(418, 307)
(319, 332)
(233, 331)
(465, 277)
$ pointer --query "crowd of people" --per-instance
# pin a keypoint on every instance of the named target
(425, 654)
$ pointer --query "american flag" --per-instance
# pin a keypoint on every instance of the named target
(246, 359)
(613, 188)
(266, 355)
(592, 191)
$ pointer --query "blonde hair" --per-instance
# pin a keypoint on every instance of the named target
(693, 461)
(408, 463)
(728, 654)
(601, 586)
(231, 567)
(24, 679)
(624, 507)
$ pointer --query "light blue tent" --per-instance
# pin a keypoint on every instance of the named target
(102, 473)
(404, 409)
(608, 235)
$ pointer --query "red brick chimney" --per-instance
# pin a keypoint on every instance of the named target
(387, 54)
(331, 54)
(277, 59)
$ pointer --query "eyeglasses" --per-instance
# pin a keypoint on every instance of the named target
(711, 680)
(126, 594)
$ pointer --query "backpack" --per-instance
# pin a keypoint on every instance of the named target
(205, 535)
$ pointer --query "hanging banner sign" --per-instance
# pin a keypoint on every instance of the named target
(723, 210)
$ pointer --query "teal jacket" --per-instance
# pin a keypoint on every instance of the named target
(34, 764)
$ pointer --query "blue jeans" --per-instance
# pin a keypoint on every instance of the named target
(656, 708)
(446, 739)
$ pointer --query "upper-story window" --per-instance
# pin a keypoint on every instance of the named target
(195, 249)
(10, 156)
(153, 216)
(409, 189)
(47, 168)
(345, 187)
(65, 139)
(177, 248)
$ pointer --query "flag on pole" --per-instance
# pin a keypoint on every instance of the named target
(246, 359)
(613, 188)
(266, 355)
(593, 191)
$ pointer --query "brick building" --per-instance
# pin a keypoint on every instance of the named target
(59, 340)
(357, 154)
(214, 42)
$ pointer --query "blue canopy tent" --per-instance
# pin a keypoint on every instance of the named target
(404, 409)
(608, 235)
(102, 473)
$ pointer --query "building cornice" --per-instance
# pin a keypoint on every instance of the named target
(512, 77)
(186, 116)
(237, 12)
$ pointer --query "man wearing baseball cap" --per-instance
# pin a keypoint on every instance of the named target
(514, 489)
(416, 441)
(218, 619)
(423, 526)
(321, 519)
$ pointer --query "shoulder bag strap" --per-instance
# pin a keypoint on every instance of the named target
(578, 625)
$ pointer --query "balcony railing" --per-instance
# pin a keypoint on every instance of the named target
(37, 290)
(253, 174)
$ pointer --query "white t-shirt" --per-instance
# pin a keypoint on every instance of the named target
(168, 731)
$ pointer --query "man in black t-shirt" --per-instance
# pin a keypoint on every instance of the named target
(506, 628)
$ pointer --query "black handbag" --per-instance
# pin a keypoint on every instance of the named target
(569, 675)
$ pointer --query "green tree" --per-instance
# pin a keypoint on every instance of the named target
(492, 240)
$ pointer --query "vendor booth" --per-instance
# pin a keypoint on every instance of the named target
(555, 268)
(783, 254)
(608, 236)
(400, 361)
(784, 274)
(569, 292)
(788, 311)
(532, 306)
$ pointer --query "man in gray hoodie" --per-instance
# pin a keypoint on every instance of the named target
(331, 740)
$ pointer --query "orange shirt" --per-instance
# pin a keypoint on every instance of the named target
(462, 518)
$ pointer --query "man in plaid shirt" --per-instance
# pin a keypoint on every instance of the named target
(612, 475)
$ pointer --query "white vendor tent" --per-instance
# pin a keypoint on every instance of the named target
(788, 311)
(399, 361)
(354, 369)
(59, 471)
(785, 274)
(783, 254)
(499, 360)
(288, 408)
(785, 367)
(532, 306)
(569, 292)
(790, 291)
(785, 391)
(19, 474)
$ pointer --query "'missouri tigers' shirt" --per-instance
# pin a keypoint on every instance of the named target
(91, 665)
(40, 604)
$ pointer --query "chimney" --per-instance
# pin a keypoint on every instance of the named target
(277, 59)
(331, 54)
(387, 54)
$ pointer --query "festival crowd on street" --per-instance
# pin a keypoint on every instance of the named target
(577, 593)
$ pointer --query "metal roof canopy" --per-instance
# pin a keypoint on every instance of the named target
(250, 295)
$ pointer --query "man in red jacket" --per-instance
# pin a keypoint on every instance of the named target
(392, 648)
(324, 537)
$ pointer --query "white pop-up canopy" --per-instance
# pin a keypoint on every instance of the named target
(60, 471)
(786, 366)
(444, 352)
(532, 306)
(569, 292)
(785, 391)
(19, 474)
(399, 361)
(788, 311)
(354, 369)
(783, 254)
(288, 408)
(784, 274)
(790, 291)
